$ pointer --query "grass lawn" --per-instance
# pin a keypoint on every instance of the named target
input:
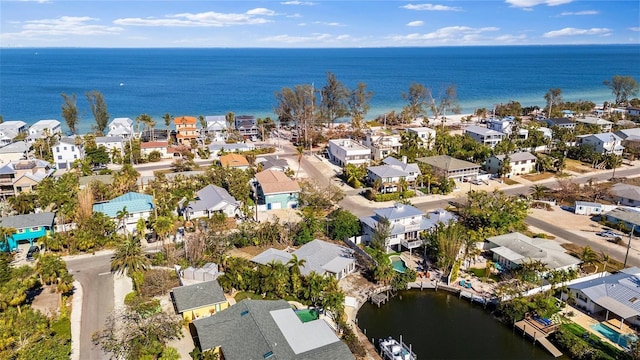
(480, 272)
(538, 177)
(509, 181)
(578, 166)
(247, 295)
(593, 340)
(612, 264)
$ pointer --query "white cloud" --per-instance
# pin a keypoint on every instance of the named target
(458, 35)
(328, 23)
(65, 25)
(578, 13)
(430, 7)
(527, 4)
(634, 28)
(447, 33)
(415, 23)
(205, 19)
(295, 2)
(574, 31)
(288, 39)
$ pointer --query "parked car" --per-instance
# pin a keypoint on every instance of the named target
(32, 252)
(607, 233)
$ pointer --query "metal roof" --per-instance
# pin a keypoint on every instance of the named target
(134, 203)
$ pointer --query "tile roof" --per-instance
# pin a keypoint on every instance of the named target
(196, 296)
(154, 144)
(28, 220)
(276, 182)
(186, 120)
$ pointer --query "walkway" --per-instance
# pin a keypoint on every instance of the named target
(538, 336)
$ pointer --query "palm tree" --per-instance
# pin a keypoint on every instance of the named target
(588, 256)
(538, 191)
(294, 270)
(605, 259)
(122, 215)
(129, 257)
(163, 226)
(300, 152)
(5, 233)
(167, 122)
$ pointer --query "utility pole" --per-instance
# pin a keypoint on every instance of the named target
(633, 228)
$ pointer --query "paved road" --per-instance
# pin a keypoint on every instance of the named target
(93, 273)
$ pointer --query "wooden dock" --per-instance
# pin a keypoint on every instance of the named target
(380, 298)
(537, 335)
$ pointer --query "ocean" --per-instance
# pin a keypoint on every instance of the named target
(244, 81)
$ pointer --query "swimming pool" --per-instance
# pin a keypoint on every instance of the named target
(397, 263)
(615, 337)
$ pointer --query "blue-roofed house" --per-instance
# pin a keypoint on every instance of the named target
(611, 295)
(391, 172)
(210, 200)
(137, 205)
(29, 228)
(603, 143)
(407, 222)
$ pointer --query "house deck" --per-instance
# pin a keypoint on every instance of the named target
(528, 328)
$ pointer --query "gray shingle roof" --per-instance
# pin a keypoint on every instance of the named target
(251, 329)
(481, 130)
(28, 220)
(520, 248)
(448, 163)
(398, 211)
(520, 156)
(626, 191)
(197, 296)
(212, 198)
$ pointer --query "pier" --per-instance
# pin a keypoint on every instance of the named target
(380, 298)
(539, 335)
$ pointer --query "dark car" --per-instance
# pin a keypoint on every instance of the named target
(33, 251)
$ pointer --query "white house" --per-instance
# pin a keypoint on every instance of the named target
(514, 249)
(147, 148)
(603, 143)
(505, 125)
(210, 200)
(216, 128)
(65, 152)
(626, 134)
(382, 144)
(9, 130)
(426, 134)
(484, 136)
(110, 143)
(604, 125)
(42, 128)
(347, 151)
(520, 163)
(392, 171)
(121, 127)
(560, 123)
(591, 208)
(14, 152)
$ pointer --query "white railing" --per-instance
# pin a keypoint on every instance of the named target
(411, 244)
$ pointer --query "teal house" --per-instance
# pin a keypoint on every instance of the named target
(28, 228)
(276, 191)
(135, 205)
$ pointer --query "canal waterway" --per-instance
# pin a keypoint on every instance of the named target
(439, 325)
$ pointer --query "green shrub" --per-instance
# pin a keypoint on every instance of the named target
(395, 196)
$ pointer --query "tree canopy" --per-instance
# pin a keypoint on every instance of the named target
(622, 87)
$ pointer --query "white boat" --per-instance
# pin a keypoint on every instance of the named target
(391, 349)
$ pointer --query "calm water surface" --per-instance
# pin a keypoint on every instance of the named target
(438, 325)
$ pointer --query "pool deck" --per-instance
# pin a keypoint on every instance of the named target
(587, 321)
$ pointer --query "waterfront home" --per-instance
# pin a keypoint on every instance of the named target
(233, 161)
(604, 125)
(247, 126)
(23, 176)
(43, 128)
(14, 152)
(220, 148)
(210, 200)
(9, 130)
(133, 205)
(406, 223)
(630, 217)
(186, 129)
(452, 168)
(147, 148)
(274, 190)
(122, 127)
(111, 144)
(66, 152)
(267, 329)
(519, 163)
(322, 257)
(514, 249)
(382, 144)
(391, 172)
(506, 126)
(348, 151)
(426, 135)
(216, 129)
(625, 194)
(484, 136)
(272, 162)
(199, 300)
(612, 295)
(562, 123)
(603, 143)
(28, 228)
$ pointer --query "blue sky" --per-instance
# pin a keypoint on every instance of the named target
(317, 23)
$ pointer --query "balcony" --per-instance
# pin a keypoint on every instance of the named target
(411, 244)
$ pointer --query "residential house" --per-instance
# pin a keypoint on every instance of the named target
(512, 250)
(625, 134)
(382, 144)
(603, 143)
(186, 129)
(612, 295)
(520, 163)
(633, 111)
(546, 132)
(272, 162)
(275, 190)
(122, 127)
(568, 114)
(199, 300)
(406, 223)
(625, 194)
(630, 217)
(216, 129)
(234, 161)
(29, 228)
(322, 257)
(484, 136)
(562, 123)
(111, 144)
(14, 152)
(9, 130)
(66, 152)
(392, 172)
(221, 147)
(267, 329)
(604, 125)
(426, 134)
(134, 205)
(348, 151)
(505, 125)
(147, 148)
(22, 176)
(43, 128)
(247, 126)
(452, 168)
(591, 208)
(210, 200)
